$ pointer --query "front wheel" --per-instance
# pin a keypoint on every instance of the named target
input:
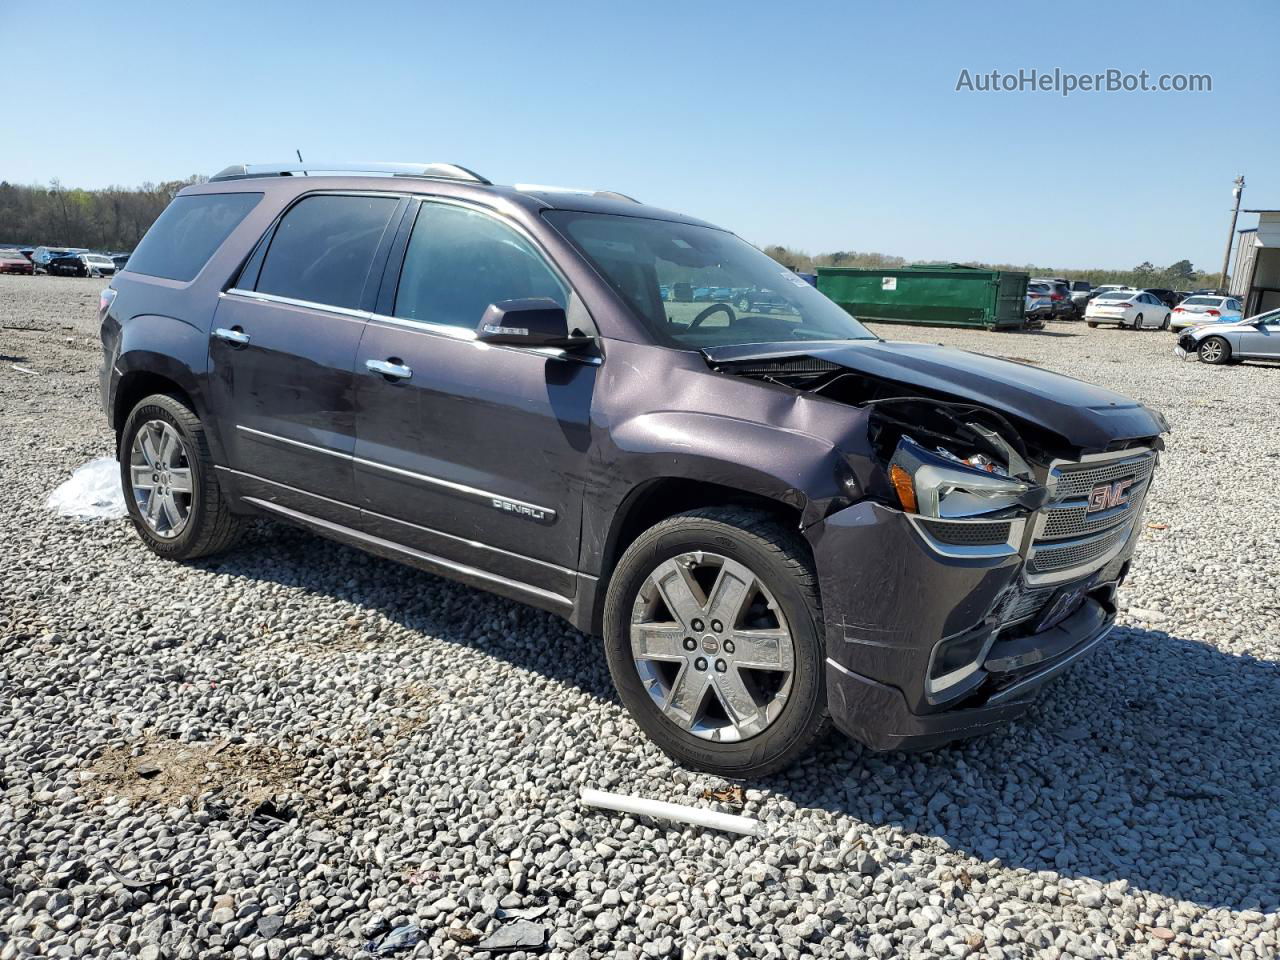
(1214, 350)
(713, 633)
(170, 487)
(1165, 325)
(1093, 325)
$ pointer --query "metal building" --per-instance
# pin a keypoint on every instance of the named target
(1255, 275)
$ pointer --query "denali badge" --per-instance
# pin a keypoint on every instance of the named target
(536, 514)
(1108, 495)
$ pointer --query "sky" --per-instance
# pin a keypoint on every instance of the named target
(822, 126)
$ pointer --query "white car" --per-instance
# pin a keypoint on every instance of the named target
(1194, 311)
(1128, 308)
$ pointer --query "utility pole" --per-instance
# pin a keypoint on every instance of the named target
(1231, 234)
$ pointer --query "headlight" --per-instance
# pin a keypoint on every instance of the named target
(943, 485)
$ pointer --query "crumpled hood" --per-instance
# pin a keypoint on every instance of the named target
(1086, 416)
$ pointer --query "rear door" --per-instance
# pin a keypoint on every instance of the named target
(282, 349)
(467, 451)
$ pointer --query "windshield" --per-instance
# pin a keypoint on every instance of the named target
(1118, 295)
(700, 287)
(1202, 301)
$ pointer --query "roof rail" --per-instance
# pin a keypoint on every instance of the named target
(433, 171)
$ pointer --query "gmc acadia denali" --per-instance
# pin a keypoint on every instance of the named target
(776, 520)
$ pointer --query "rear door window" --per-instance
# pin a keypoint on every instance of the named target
(459, 261)
(188, 232)
(322, 249)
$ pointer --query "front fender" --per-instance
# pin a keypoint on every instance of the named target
(803, 471)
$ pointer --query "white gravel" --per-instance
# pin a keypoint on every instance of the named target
(335, 746)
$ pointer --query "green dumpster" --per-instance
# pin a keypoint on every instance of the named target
(930, 295)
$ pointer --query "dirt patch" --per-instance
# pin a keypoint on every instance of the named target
(165, 772)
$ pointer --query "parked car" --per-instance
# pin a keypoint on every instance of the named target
(1257, 338)
(1037, 309)
(1136, 309)
(82, 265)
(1167, 297)
(1205, 309)
(1105, 288)
(1064, 308)
(11, 261)
(41, 256)
(120, 260)
(775, 521)
(761, 300)
(1080, 290)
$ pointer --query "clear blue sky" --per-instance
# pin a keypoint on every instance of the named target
(823, 126)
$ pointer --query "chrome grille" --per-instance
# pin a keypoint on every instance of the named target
(1074, 519)
(1051, 557)
(1077, 481)
(1070, 541)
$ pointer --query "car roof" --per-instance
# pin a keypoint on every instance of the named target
(447, 180)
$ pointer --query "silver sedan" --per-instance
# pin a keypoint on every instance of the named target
(1256, 338)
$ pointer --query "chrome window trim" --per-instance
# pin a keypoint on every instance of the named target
(293, 302)
(423, 326)
(422, 477)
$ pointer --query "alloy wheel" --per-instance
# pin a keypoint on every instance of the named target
(712, 647)
(160, 478)
(1211, 351)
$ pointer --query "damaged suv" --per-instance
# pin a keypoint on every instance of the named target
(776, 520)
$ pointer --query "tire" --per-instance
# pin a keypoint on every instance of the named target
(794, 713)
(1214, 350)
(1092, 325)
(1165, 325)
(1137, 322)
(209, 526)
(744, 304)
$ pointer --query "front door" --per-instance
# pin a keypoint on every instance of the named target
(1263, 340)
(466, 451)
(282, 350)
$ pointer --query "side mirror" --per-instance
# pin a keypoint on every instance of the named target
(535, 322)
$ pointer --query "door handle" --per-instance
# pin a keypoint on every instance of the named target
(234, 336)
(391, 368)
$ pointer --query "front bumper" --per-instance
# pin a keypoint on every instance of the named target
(877, 714)
(889, 600)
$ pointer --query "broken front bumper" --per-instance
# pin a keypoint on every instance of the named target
(889, 601)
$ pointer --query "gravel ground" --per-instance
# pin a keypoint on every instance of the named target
(291, 750)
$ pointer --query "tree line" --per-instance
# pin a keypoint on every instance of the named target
(114, 218)
(1181, 275)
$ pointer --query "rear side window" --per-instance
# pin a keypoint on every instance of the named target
(322, 249)
(459, 261)
(185, 236)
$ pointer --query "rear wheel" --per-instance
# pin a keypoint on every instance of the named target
(1137, 322)
(1214, 350)
(713, 632)
(170, 487)
(1165, 325)
(1093, 325)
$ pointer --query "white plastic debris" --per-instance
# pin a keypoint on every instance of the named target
(92, 493)
(673, 811)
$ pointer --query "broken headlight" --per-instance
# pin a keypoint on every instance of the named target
(941, 484)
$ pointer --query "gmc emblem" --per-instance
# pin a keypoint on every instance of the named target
(1108, 495)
